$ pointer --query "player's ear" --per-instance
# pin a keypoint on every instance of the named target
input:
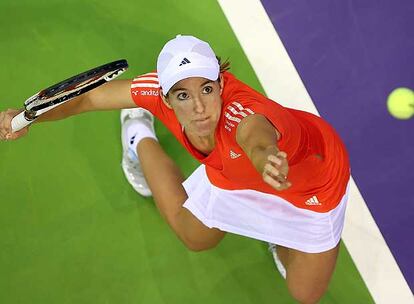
(165, 100)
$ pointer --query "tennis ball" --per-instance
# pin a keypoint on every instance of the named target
(400, 103)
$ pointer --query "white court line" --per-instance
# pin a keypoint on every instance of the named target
(281, 82)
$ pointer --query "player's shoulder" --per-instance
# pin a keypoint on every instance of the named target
(235, 89)
(239, 100)
(233, 112)
(146, 85)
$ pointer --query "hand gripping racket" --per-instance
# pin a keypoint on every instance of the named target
(63, 91)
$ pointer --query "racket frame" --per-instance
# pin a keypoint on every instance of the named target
(65, 90)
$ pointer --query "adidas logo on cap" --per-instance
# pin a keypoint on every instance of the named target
(184, 61)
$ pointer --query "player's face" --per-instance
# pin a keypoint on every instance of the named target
(197, 104)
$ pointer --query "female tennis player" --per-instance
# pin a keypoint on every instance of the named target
(268, 172)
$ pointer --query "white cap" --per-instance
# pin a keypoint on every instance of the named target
(184, 57)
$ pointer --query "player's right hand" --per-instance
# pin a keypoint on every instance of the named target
(5, 125)
(275, 171)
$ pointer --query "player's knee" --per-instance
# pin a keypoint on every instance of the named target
(307, 295)
(198, 246)
(310, 298)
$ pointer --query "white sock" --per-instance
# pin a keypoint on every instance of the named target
(278, 262)
(135, 133)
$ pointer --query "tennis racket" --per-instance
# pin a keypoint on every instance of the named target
(65, 90)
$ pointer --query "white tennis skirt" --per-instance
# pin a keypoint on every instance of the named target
(263, 216)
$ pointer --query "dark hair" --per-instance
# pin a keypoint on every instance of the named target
(224, 66)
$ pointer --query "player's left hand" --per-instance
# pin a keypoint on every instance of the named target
(276, 170)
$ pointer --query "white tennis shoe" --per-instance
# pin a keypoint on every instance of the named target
(130, 161)
(278, 262)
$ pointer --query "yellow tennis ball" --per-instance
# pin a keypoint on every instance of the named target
(400, 103)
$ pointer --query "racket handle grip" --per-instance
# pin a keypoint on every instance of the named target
(19, 122)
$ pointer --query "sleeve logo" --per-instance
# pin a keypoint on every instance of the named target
(146, 85)
(233, 114)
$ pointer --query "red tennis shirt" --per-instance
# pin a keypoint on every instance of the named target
(317, 184)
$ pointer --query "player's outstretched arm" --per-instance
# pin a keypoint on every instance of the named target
(258, 139)
(112, 95)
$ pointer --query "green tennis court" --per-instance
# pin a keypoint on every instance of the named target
(72, 230)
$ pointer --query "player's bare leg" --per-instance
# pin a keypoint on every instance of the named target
(162, 178)
(308, 274)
